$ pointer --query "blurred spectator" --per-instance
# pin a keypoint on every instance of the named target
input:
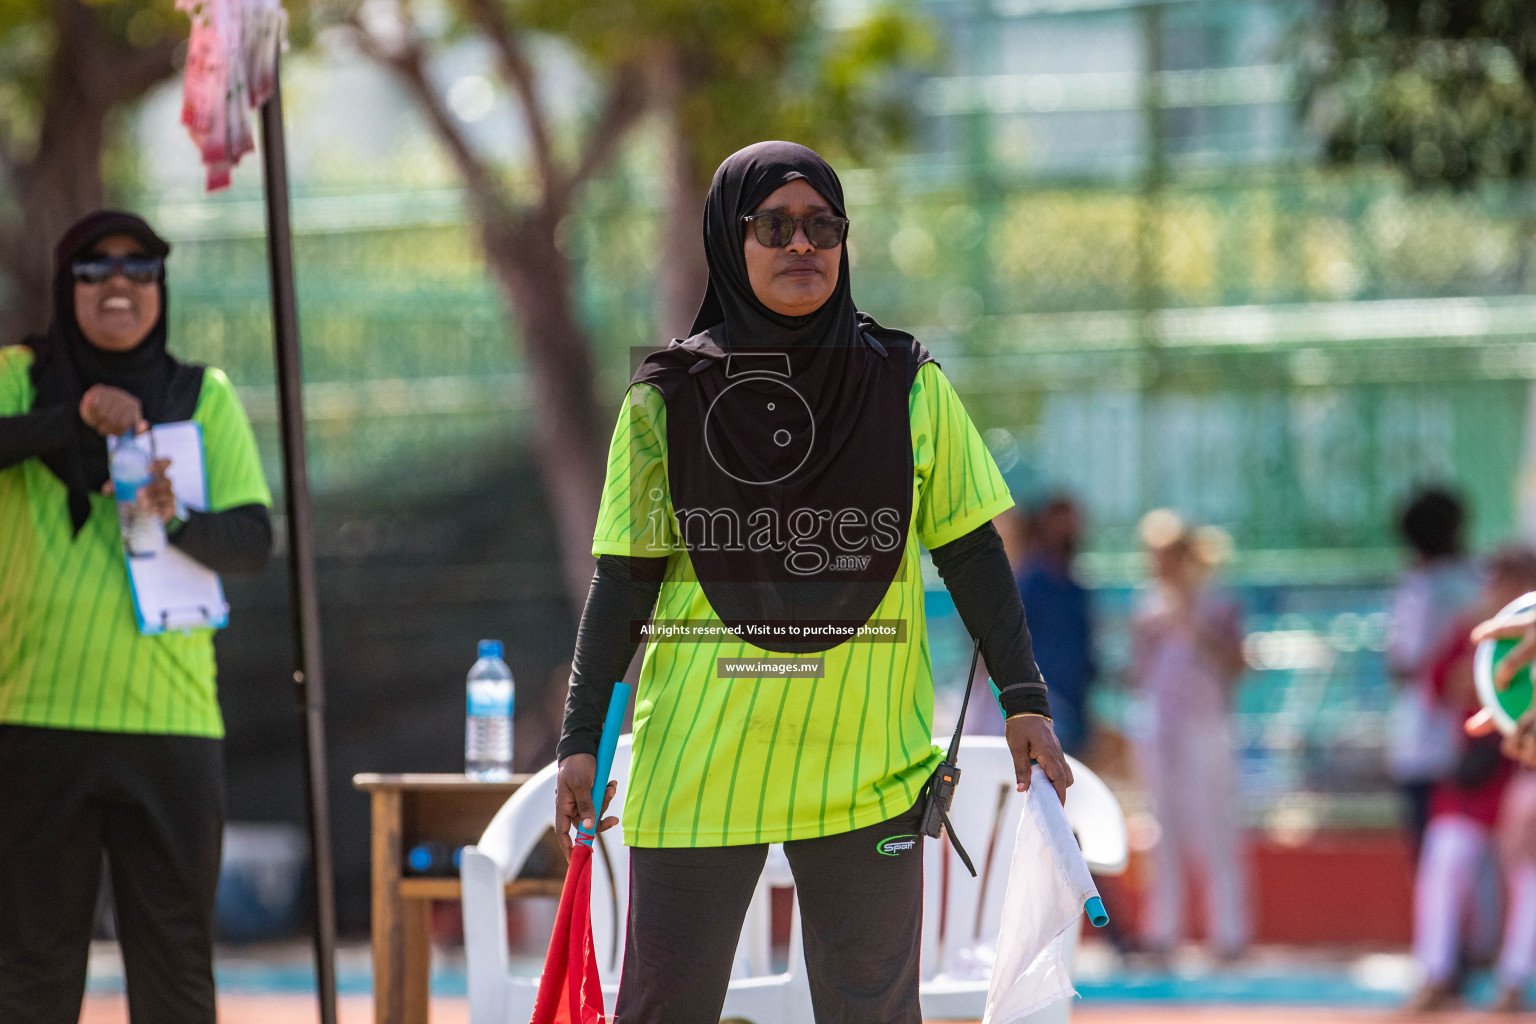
(1517, 846)
(1057, 609)
(1187, 657)
(1464, 808)
(1440, 583)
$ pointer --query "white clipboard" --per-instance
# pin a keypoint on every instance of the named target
(171, 589)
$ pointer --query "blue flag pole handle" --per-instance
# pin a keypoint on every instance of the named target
(605, 748)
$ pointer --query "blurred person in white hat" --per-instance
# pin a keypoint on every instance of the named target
(1187, 657)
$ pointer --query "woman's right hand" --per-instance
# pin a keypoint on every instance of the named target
(573, 797)
(111, 411)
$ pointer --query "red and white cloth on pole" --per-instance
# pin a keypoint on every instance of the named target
(570, 990)
(231, 70)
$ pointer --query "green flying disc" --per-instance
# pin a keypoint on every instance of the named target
(1509, 704)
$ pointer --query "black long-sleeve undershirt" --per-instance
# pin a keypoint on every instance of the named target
(236, 540)
(37, 433)
(624, 590)
(975, 570)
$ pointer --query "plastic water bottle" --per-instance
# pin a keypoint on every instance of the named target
(488, 724)
(143, 532)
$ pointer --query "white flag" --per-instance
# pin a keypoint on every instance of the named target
(1048, 883)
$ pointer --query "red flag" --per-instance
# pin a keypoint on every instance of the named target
(570, 991)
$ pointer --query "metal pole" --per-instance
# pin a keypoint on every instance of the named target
(308, 675)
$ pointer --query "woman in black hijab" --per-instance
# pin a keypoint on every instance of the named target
(769, 483)
(110, 738)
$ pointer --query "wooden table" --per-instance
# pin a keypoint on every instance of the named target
(408, 809)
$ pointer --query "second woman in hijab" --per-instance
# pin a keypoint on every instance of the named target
(770, 481)
(110, 740)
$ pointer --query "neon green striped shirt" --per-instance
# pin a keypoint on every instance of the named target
(723, 762)
(71, 655)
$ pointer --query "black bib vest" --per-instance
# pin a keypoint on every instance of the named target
(790, 472)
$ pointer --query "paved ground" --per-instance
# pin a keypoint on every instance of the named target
(1275, 985)
(101, 1009)
(276, 1009)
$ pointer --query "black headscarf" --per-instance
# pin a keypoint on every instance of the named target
(67, 365)
(743, 181)
(789, 448)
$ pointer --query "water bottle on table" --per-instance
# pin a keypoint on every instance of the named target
(488, 724)
(143, 532)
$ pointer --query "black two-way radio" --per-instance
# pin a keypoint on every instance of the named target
(940, 790)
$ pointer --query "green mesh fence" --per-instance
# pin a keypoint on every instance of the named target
(1320, 344)
(1283, 355)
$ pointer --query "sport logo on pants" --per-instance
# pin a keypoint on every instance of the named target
(896, 845)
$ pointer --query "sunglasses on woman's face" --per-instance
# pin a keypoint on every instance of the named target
(137, 267)
(776, 230)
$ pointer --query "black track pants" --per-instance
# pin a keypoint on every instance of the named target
(861, 911)
(155, 804)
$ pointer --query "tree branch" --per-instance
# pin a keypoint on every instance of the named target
(106, 71)
(408, 62)
(519, 74)
(623, 106)
(139, 69)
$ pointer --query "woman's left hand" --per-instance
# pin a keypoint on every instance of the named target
(1033, 738)
(1521, 627)
(156, 497)
(1519, 745)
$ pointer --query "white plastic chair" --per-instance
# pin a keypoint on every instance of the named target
(985, 813)
(763, 997)
(499, 997)
(961, 914)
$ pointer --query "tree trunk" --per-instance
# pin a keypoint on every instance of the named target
(57, 186)
(60, 182)
(570, 430)
(684, 272)
(55, 189)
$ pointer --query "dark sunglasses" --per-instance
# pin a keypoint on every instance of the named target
(776, 230)
(138, 268)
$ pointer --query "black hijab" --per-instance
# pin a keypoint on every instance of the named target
(789, 456)
(67, 365)
(743, 181)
